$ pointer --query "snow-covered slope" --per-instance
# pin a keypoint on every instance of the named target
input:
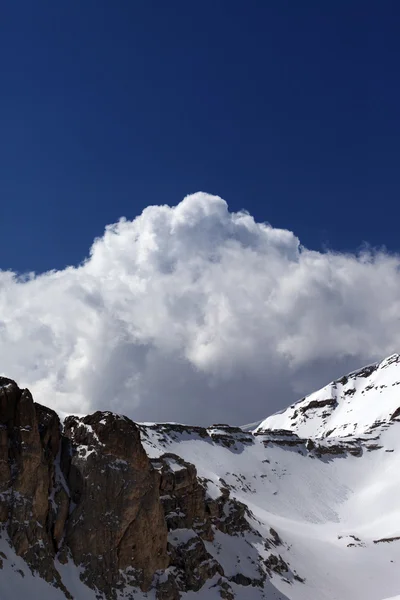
(349, 406)
(338, 515)
(321, 482)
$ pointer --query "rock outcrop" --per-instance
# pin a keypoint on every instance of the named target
(117, 524)
(87, 492)
(29, 442)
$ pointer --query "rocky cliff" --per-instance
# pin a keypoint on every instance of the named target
(86, 492)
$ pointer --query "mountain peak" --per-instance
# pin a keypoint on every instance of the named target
(348, 406)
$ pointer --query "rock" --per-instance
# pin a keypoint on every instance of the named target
(88, 493)
(233, 518)
(99, 465)
(59, 515)
(183, 496)
(275, 539)
(118, 522)
(276, 564)
(2, 556)
(241, 579)
(188, 508)
(332, 402)
(49, 430)
(226, 591)
(310, 445)
(167, 589)
(195, 565)
(30, 439)
(396, 414)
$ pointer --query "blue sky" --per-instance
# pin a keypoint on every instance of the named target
(287, 109)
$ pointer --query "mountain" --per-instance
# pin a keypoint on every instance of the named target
(301, 506)
(350, 406)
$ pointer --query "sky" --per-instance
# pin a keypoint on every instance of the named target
(281, 273)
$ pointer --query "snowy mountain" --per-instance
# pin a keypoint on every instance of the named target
(303, 506)
(349, 406)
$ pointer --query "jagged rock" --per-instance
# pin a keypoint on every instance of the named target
(50, 435)
(183, 496)
(59, 515)
(277, 564)
(30, 439)
(92, 490)
(226, 591)
(167, 588)
(339, 447)
(187, 507)
(9, 397)
(195, 565)
(49, 430)
(273, 541)
(241, 579)
(318, 404)
(118, 522)
(233, 520)
(310, 445)
(89, 493)
(396, 414)
(230, 437)
(2, 556)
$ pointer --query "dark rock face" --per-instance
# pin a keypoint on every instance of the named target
(182, 495)
(89, 493)
(29, 442)
(185, 505)
(331, 402)
(188, 508)
(193, 564)
(118, 522)
(396, 414)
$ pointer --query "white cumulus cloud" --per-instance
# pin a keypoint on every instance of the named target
(193, 313)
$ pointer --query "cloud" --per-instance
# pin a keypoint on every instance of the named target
(196, 314)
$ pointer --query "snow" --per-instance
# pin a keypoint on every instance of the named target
(338, 516)
(361, 402)
(318, 506)
(7, 386)
(17, 581)
(180, 536)
(174, 465)
(310, 503)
